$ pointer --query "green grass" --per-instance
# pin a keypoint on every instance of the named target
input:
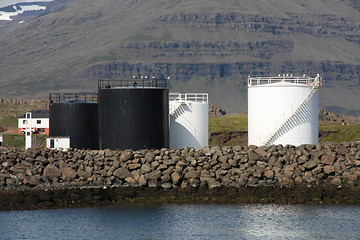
(9, 121)
(232, 123)
(13, 140)
(330, 131)
(340, 133)
(18, 140)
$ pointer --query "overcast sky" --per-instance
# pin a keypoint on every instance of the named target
(4, 3)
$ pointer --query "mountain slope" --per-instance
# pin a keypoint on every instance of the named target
(205, 46)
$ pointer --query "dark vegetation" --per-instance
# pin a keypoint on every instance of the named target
(87, 197)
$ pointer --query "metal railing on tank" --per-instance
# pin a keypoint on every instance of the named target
(133, 83)
(257, 81)
(189, 97)
(63, 97)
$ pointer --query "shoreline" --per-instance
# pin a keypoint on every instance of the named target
(89, 197)
(326, 173)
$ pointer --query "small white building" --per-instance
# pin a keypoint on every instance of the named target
(39, 122)
(189, 120)
(60, 143)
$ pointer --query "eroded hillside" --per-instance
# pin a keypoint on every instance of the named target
(205, 46)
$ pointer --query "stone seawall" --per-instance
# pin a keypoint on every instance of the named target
(333, 165)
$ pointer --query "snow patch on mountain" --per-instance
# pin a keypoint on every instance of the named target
(19, 9)
(5, 3)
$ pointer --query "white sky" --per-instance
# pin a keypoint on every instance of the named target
(4, 3)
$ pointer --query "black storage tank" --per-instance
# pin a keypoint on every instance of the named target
(133, 114)
(74, 115)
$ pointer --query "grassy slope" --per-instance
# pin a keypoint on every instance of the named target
(232, 123)
(10, 111)
(330, 131)
(336, 132)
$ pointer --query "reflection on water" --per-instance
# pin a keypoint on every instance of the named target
(185, 222)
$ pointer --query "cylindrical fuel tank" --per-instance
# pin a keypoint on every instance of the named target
(77, 119)
(283, 110)
(133, 117)
(189, 120)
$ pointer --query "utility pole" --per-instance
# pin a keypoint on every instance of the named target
(28, 132)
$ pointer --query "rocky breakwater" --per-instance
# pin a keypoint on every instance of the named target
(235, 173)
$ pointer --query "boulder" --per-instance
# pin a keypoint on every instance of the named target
(214, 184)
(154, 175)
(68, 173)
(253, 181)
(357, 163)
(52, 172)
(149, 157)
(309, 178)
(260, 151)
(133, 166)
(327, 159)
(142, 180)
(145, 168)
(135, 175)
(289, 170)
(329, 170)
(194, 182)
(309, 165)
(233, 163)
(84, 174)
(191, 174)
(166, 185)
(130, 180)
(336, 181)
(258, 173)
(253, 157)
(317, 170)
(122, 173)
(162, 167)
(284, 181)
(269, 174)
(165, 178)
(125, 156)
(298, 180)
(175, 177)
(169, 162)
(341, 149)
(353, 177)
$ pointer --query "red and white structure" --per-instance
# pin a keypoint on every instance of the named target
(39, 122)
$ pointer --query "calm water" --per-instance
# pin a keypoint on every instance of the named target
(185, 222)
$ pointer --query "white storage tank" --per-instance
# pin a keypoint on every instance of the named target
(283, 110)
(189, 120)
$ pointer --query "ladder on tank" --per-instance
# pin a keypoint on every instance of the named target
(290, 122)
(177, 108)
(178, 102)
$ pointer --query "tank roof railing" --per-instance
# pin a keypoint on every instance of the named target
(62, 97)
(189, 97)
(133, 83)
(257, 81)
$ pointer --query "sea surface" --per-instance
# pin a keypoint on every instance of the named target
(185, 222)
